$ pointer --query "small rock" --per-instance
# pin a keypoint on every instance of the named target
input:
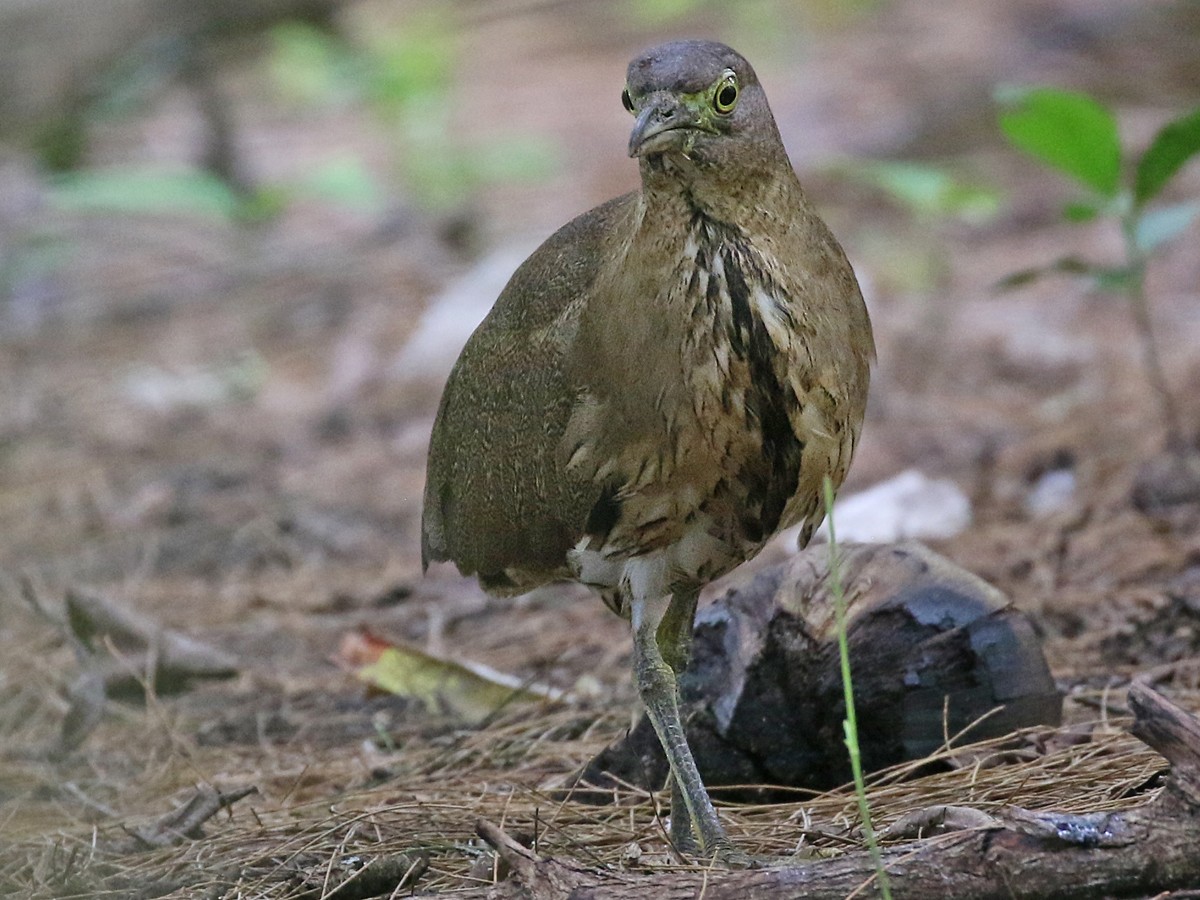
(910, 506)
(1053, 492)
(452, 315)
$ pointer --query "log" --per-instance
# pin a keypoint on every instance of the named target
(1013, 854)
(936, 652)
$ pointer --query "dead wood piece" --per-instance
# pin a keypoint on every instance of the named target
(184, 823)
(88, 698)
(356, 878)
(176, 655)
(1013, 854)
(1173, 732)
(145, 652)
(940, 819)
(937, 654)
(1170, 670)
(531, 876)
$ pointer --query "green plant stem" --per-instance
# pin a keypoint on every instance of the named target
(850, 725)
(1135, 292)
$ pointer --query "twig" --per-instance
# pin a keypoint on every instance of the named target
(184, 823)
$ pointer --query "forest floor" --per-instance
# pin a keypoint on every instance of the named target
(215, 425)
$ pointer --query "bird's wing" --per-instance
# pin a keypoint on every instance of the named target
(498, 501)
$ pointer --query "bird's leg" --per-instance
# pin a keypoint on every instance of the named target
(675, 641)
(675, 630)
(659, 692)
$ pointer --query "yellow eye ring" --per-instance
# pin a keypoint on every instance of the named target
(725, 97)
(626, 100)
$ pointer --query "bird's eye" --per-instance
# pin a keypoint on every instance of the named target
(626, 100)
(726, 97)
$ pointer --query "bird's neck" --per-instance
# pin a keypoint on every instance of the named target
(679, 218)
(677, 189)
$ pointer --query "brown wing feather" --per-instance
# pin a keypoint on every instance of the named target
(497, 498)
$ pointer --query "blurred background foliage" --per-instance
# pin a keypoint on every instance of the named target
(397, 61)
(476, 119)
(406, 79)
(68, 67)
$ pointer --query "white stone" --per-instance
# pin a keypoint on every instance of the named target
(452, 315)
(910, 506)
(1052, 492)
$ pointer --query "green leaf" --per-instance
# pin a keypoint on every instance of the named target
(1080, 212)
(1158, 226)
(410, 72)
(1067, 130)
(927, 189)
(305, 63)
(1020, 278)
(516, 158)
(1173, 146)
(1117, 279)
(265, 203)
(345, 181)
(139, 190)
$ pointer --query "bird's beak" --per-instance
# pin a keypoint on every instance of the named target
(660, 125)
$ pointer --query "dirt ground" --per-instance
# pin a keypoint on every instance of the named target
(212, 424)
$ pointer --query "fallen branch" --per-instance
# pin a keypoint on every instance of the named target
(184, 823)
(176, 657)
(356, 878)
(1015, 853)
(120, 653)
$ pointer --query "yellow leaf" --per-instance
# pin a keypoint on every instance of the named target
(469, 691)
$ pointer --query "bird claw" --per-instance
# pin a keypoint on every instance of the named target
(728, 856)
(721, 853)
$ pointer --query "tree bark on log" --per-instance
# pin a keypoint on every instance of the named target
(1018, 853)
(934, 649)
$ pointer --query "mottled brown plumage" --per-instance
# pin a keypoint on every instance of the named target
(662, 386)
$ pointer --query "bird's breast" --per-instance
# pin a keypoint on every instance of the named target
(726, 412)
(718, 437)
(746, 346)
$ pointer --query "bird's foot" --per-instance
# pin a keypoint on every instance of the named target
(727, 856)
(719, 852)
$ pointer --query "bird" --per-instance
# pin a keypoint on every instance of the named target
(663, 385)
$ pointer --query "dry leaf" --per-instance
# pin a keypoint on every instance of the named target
(465, 689)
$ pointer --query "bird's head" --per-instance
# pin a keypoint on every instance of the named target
(698, 101)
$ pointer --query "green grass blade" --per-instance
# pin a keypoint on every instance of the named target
(850, 725)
